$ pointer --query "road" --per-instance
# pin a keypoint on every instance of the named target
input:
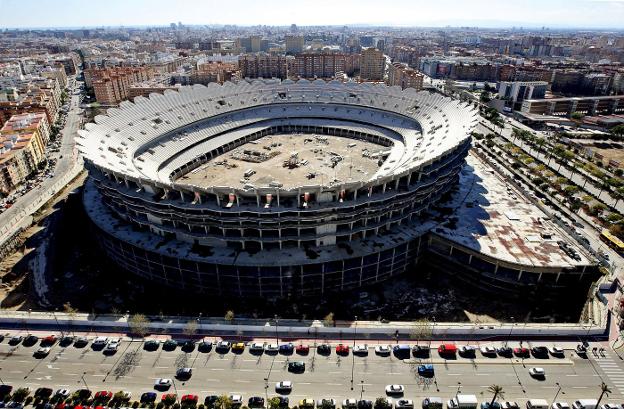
(135, 370)
(19, 215)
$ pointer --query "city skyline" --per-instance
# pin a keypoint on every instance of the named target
(556, 14)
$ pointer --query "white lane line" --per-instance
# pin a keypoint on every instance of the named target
(241, 381)
(580, 387)
(453, 374)
(572, 375)
(216, 369)
(483, 374)
(246, 370)
(334, 384)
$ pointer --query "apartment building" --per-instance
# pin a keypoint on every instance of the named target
(403, 76)
(324, 65)
(265, 66)
(294, 44)
(112, 85)
(372, 65)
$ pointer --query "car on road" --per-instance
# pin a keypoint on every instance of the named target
(560, 405)
(286, 348)
(256, 347)
(42, 352)
(326, 403)
(237, 400)
(112, 347)
(296, 367)
(204, 346)
(162, 384)
(148, 397)
(302, 349)
(342, 349)
(255, 402)
(223, 346)
(43, 392)
(306, 403)
(395, 389)
(556, 351)
(81, 342)
(189, 400)
(62, 394)
(521, 352)
(360, 350)
(365, 404)
(184, 374)
(426, 370)
(383, 350)
(151, 345)
(271, 348)
(238, 347)
(537, 372)
(323, 349)
(103, 396)
(404, 404)
(283, 386)
(15, 340)
(488, 350)
(349, 404)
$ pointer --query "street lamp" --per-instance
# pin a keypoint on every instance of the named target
(352, 352)
(510, 330)
(432, 330)
(557, 394)
(362, 389)
(266, 391)
(276, 329)
(83, 380)
(458, 389)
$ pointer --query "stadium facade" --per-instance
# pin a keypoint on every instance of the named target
(158, 215)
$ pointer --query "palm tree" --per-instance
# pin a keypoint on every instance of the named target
(497, 390)
(604, 390)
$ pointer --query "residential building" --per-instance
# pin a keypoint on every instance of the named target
(294, 44)
(265, 66)
(324, 65)
(372, 65)
(112, 85)
(403, 76)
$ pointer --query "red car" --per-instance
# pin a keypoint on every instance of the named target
(447, 349)
(189, 399)
(49, 340)
(103, 395)
(342, 349)
(302, 349)
(521, 352)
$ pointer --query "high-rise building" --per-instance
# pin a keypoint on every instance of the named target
(112, 85)
(372, 65)
(403, 76)
(265, 66)
(294, 44)
(324, 65)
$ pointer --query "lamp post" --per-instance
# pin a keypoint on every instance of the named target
(276, 329)
(266, 391)
(458, 389)
(57, 322)
(361, 389)
(175, 388)
(510, 330)
(83, 380)
(352, 352)
(557, 394)
(432, 330)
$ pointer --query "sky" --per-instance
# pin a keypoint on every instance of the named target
(483, 13)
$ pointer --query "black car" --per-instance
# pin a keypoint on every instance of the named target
(151, 345)
(170, 345)
(420, 351)
(540, 352)
(204, 346)
(30, 340)
(184, 374)
(43, 393)
(83, 394)
(188, 346)
(210, 401)
(148, 397)
(81, 342)
(323, 349)
(66, 341)
(296, 366)
(1, 337)
(365, 404)
(256, 402)
(505, 351)
(5, 390)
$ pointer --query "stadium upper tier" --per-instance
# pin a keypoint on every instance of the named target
(161, 138)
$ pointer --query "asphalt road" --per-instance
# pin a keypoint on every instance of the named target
(135, 370)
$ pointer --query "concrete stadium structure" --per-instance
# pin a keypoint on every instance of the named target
(157, 214)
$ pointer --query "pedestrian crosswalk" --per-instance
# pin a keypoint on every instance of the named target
(611, 369)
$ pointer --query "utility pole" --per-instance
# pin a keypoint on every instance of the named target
(352, 352)
(83, 380)
(557, 394)
(276, 330)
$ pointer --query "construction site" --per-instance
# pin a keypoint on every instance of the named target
(291, 160)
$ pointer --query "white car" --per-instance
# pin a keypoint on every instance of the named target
(223, 346)
(271, 348)
(283, 386)
(395, 389)
(112, 346)
(360, 349)
(537, 372)
(383, 350)
(467, 349)
(62, 393)
(237, 400)
(560, 405)
(350, 403)
(488, 350)
(326, 402)
(555, 351)
(100, 341)
(162, 383)
(42, 352)
(404, 404)
(256, 347)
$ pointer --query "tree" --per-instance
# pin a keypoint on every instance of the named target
(223, 402)
(20, 394)
(617, 131)
(71, 313)
(169, 399)
(328, 321)
(577, 118)
(422, 330)
(274, 403)
(604, 390)
(138, 324)
(382, 403)
(229, 316)
(190, 328)
(497, 391)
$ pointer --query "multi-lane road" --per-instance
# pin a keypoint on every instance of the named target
(134, 369)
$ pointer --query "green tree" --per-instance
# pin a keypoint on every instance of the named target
(274, 403)
(20, 394)
(229, 316)
(617, 131)
(138, 324)
(382, 403)
(328, 321)
(223, 402)
(497, 391)
(169, 399)
(190, 328)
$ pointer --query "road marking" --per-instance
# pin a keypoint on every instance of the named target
(453, 374)
(303, 383)
(241, 381)
(216, 369)
(246, 370)
(580, 387)
(334, 384)
(482, 374)
(572, 375)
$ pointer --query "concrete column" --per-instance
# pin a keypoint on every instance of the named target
(519, 275)
(219, 200)
(496, 268)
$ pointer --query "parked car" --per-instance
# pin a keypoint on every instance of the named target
(505, 351)
(271, 348)
(323, 349)
(556, 351)
(283, 386)
(204, 346)
(223, 346)
(342, 349)
(302, 349)
(112, 347)
(365, 404)
(103, 396)
(189, 400)
(447, 349)
(256, 402)
(148, 397)
(286, 348)
(521, 352)
(282, 401)
(326, 403)
(488, 350)
(540, 352)
(404, 404)
(62, 393)
(395, 389)
(560, 405)
(81, 342)
(15, 340)
(349, 404)
(151, 345)
(306, 403)
(383, 350)
(360, 350)
(256, 347)
(237, 400)
(238, 347)
(43, 392)
(48, 341)
(509, 405)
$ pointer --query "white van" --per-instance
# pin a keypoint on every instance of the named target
(585, 404)
(537, 404)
